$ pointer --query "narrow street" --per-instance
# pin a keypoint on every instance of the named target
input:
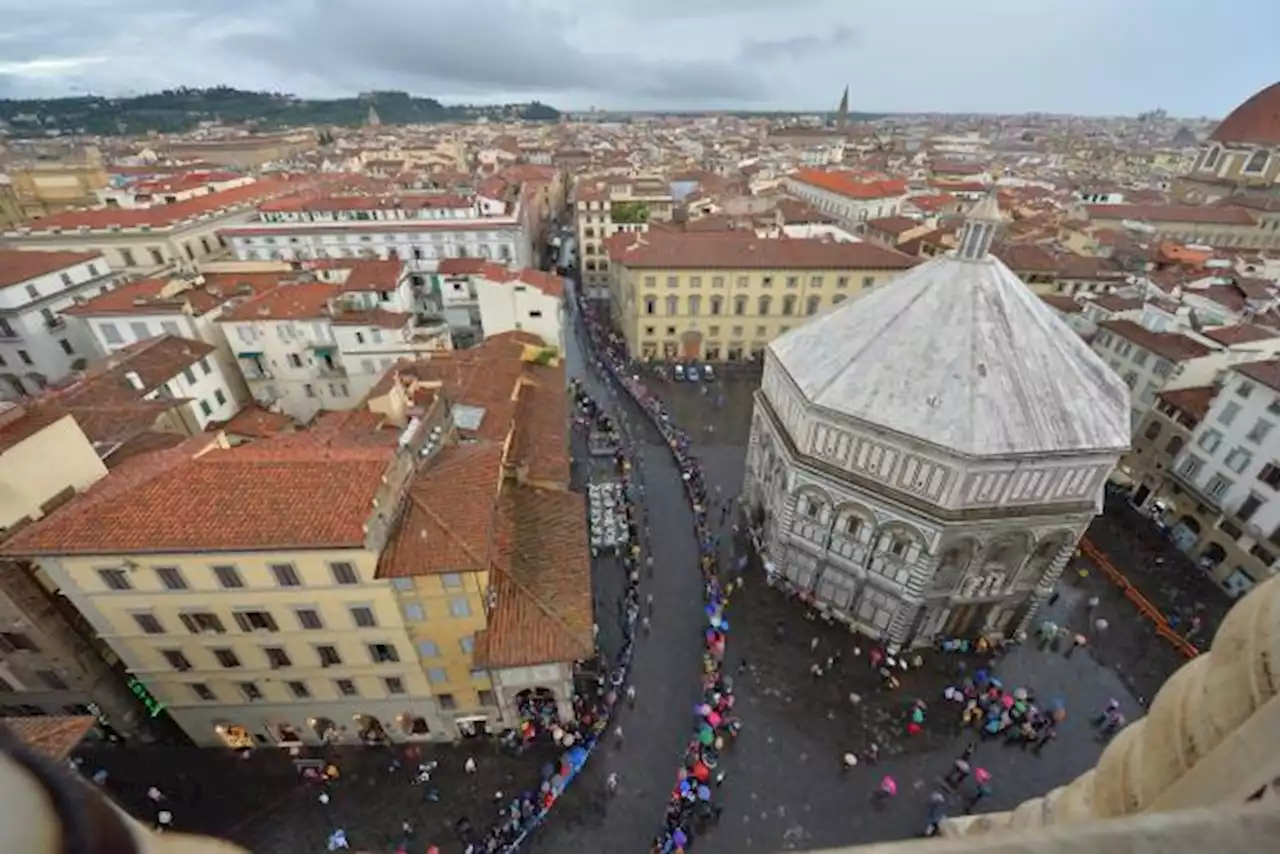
(666, 667)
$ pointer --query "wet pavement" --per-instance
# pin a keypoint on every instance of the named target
(665, 670)
(786, 789)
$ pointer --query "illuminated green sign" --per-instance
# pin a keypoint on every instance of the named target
(154, 706)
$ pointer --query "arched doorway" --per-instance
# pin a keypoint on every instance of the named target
(538, 706)
(235, 736)
(1042, 559)
(325, 729)
(691, 345)
(1185, 533)
(413, 726)
(370, 730)
(956, 557)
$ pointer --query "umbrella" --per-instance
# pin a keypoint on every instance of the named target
(706, 736)
(714, 719)
(982, 775)
(702, 710)
(685, 786)
(996, 683)
(679, 838)
(1020, 694)
(704, 794)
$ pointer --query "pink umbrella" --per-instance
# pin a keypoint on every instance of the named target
(889, 786)
(1007, 701)
(713, 719)
(982, 775)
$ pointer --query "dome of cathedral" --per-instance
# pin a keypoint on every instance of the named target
(1255, 122)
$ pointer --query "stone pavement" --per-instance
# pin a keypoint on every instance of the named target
(785, 789)
(665, 669)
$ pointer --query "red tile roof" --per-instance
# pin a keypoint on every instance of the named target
(1255, 122)
(852, 184)
(144, 296)
(733, 250)
(1266, 372)
(1199, 214)
(1241, 333)
(312, 491)
(1193, 401)
(257, 423)
(543, 610)
(287, 302)
(50, 736)
(1167, 345)
(164, 216)
(894, 225)
(373, 275)
(21, 265)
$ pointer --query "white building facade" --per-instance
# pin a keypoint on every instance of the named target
(421, 234)
(1232, 465)
(38, 344)
(529, 301)
(923, 461)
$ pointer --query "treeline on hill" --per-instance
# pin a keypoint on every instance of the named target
(176, 110)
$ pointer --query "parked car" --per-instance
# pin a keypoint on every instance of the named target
(691, 373)
(708, 373)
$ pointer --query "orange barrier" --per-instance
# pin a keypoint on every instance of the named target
(1134, 595)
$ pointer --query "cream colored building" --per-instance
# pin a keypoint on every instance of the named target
(617, 207)
(150, 240)
(44, 187)
(47, 667)
(288, 590)
(724, 297)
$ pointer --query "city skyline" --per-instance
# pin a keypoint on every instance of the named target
(1087, 58)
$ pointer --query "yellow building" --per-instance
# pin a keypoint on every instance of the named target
(722, 296)
(46, 187)
(313, 585)
(618, 206)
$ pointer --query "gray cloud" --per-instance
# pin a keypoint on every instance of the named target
(897, 55)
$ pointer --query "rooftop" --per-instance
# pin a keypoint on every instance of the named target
(307, 490)
(733, 250)
(50, 736)
(852, 184)
(962, 355)
(21, 265)
(160, 296)
(1167, 345)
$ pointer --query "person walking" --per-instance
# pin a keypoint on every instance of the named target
(631, 696)
(959, 772)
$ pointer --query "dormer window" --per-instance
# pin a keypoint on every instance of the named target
(1257, 162)
(1211, 158)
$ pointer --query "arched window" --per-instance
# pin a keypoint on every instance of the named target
(763, 306)
(1152, 431)
(673, 305)
(1174, 446)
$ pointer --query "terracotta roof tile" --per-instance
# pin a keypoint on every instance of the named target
(540, 438)
(894, 225)
(446, 524)
(852, 184)
(254, 422)
(50, 736)
(287, 302)
(164, 216)
(1241, 333)
(1206, 214)
(144, 296)
(1266, 372)
(300, 494)
(1167, 345)
(19, 265)
(373, 275)
(154, 360)
(543, 607)
(1255, 122)
(733, 250)
(1193, 401)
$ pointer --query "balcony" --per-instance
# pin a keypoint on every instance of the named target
(330, 369)
(56, 323)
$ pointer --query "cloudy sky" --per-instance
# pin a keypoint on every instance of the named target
(1081, 56)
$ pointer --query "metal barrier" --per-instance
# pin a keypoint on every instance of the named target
(1134, 595)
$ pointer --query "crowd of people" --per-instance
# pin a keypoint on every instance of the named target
(692, 808)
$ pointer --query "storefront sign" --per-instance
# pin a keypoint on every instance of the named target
(154, 706)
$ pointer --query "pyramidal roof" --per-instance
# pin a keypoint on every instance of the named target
(959, 353)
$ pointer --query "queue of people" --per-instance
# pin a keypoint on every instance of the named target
(691, 809)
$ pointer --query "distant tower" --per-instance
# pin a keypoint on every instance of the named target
(372, 120)
(842, 111)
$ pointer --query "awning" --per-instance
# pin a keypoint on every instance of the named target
(250, 354)
(324, 349)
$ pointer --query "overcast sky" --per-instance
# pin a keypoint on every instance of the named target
(1079, 56)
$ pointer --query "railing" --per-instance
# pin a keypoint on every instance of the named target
(1141, 602)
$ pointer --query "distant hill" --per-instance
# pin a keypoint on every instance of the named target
(176, 110)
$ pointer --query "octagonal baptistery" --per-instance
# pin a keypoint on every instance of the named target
(924, 460)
